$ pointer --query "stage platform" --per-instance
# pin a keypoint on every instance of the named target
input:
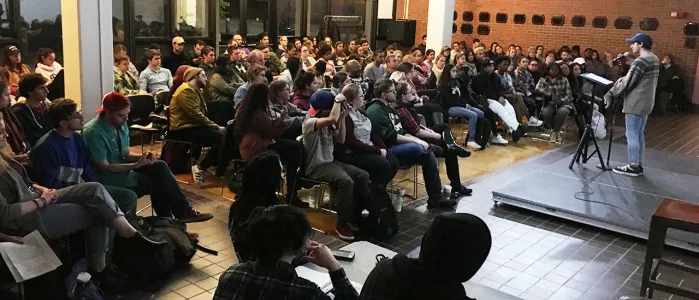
(604, 199)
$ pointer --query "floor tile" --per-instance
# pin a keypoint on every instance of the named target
(189, 291)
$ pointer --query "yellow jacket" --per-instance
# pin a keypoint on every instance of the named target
(188, 109)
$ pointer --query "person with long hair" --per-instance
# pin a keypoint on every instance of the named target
(177, 80)
(262, 178)
(256, 132)
(46, 64)
(540, 55)
(118, 50)
(17, 145)
(363, 147)
(454, 105)
(221, 84)
(556, 88)
(429, 62)
(12, 67)
(470, 64)
(305, 84)
(279, 99)
(274, 236)
(594, 65)
(491, 52)
(439, 64)
(341, 54)
(87, 207)
(432, 112)
(307, 59)
(446, 53)
(293, 65)
(124, 82)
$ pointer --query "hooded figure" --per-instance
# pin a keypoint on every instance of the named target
(454, 247)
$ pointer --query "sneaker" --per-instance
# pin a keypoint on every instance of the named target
(517, 134)
(297, 202)
(498, 140)
(195, 216)
(534, 122)
(198, 175)
(629, 170)
(440, 202)
(473, 145)
(344, 232)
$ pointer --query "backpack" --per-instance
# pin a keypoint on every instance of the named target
(177, 156)
(146, 264)
(381, 222)
(77, 290)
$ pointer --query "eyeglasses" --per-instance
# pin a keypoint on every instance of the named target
(391, 91)
(75, 115)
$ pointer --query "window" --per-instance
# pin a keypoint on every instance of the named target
(287, 16)
(40, 28)
(623, 23)
(599, 22)
(467, 16)
(484, 17)
(649, 24)
(538, 19)
(5, 20)
(118, 21)
(466, 28)
(691, 29)
(315, 17)
(229, 18)
(501, 17)
(520, 18)
(258, 12)
(191, 18)
(483, 29)
(578, 21)
(150, 19)
(558, 20)
(354, 8)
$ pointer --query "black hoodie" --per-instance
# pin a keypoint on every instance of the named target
(454, 247)
(32, 121)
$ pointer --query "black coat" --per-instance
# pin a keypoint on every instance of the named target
(33, 123)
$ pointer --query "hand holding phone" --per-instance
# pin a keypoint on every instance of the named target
(343, 255)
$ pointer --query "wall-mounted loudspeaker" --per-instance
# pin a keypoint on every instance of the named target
(599, 22)
(520, 18)
(466, 28)
(623, 23)
(484, 17)
(578, 21)
(538, 19)
(483, 29)
(501, 18)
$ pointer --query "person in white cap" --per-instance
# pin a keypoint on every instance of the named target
(638, 89)
(177, 58)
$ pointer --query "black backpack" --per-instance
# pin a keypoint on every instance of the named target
(145, 265)
(177, 156)
(381, 223)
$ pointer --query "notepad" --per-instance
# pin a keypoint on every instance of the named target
(322, 279)
(31, 259)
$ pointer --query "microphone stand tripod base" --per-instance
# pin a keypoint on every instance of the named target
(604, 167)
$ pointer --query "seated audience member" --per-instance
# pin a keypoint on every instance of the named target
(432, 112)
(556, 90)
(238, 41)
(154, 78)
(208, 59)
(391, 64)
(341, 55)
(177, 80)
(256, 132)
(670, 83)
(306, 59)
(433, 81)
(575, 51)
(293, 65)
(453, 248)
(274, 236)
(47, 66)
(12, 69)
(354, 69)
(525, 84)
(189, 121)
(454, 104)
(196, 56)
(177, 57)
(489, 85)
(491, 52)
(291, 51)
(340, 80)
(32, 111)
(439, 135)
(87, 207)
(281, 47)
(107, 137)
(375, 70)
(60, 159)
(430, 55)
(533, 68)
(319, 71)
(325, 53)
(17, 145)
(594, 65)
(305, 85)
(119, 50)
(480, 58)
(406, 147)
(238, 64)
(566, 57)
(222, 85)
(470, 64)
(143, 63)
(446, 53)
(531, 54)
(255, 74)
(522, 111)
(124, 82)
(279, 100)
(540, 54)
(363, 147)
(271, 62)
(349, 185)
(262, 178)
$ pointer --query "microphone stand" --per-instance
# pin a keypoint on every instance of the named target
(615, 106)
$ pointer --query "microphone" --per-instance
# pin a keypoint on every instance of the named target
(625, 55)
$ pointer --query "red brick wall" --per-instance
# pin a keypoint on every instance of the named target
(668, 38)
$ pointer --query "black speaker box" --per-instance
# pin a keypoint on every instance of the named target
(402, 31)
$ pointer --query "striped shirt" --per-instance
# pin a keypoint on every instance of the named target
(639, 85)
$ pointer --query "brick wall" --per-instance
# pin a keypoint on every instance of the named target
(668, 38)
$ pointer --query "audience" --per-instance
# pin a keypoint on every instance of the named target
(107, 137)
(256, 132)
(221, 83)
(119, 50)
(293, 65)
(340, 80)
(454, 105)
(508, 91)
(208, 58)
(556, 89)
(32, 111)
(255, 74)
(436, 73)
(238, 64)
(189, 122)
(11, 68)
(47, 66)
(279, 100)
(177, 57)
(17, 145)
(305, 84)
(124, 82)
(349, 185)
(406, 147)
(155, 78)
(196, 56)
(375, 70)
(274, 236)
(453, 248)
(306, 59)
(489, 85)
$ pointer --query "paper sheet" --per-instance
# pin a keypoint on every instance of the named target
(31, 259)
(321, 279)
(595, 78)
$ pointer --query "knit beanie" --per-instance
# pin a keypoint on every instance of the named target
(191, 72)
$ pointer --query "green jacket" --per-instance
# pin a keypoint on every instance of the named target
(384, 121)
(188, 109)
(221, 89)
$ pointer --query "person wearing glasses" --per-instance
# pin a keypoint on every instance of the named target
(31, 111)
(63, 158)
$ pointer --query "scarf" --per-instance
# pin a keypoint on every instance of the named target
(437, 72)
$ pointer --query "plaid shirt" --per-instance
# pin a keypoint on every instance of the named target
(525, 82)
(407, 121)
(558, 89)
(257, 281)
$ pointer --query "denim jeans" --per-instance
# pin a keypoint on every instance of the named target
(635, 124)
(409, 154)
(166, 196)
(472, 115)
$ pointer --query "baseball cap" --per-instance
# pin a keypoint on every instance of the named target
(10, 50)
(641, 38)
(579, 60)
(113, 101)
(321, 100)
(487, 63)
(178, 40)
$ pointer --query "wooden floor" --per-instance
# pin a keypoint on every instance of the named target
(676, 133)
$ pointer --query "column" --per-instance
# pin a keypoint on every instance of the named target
(439, 21)
(87, 52)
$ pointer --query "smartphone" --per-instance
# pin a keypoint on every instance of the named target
(343, 255)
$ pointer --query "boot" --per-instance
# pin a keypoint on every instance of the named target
(438, 118)
(449, 139)
(483, 134)
(440, 202)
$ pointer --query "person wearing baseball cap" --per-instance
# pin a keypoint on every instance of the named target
(107, 137)
(638, 88)
(323, 126)
(12, 67)
(189, 121)
(177, 57)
